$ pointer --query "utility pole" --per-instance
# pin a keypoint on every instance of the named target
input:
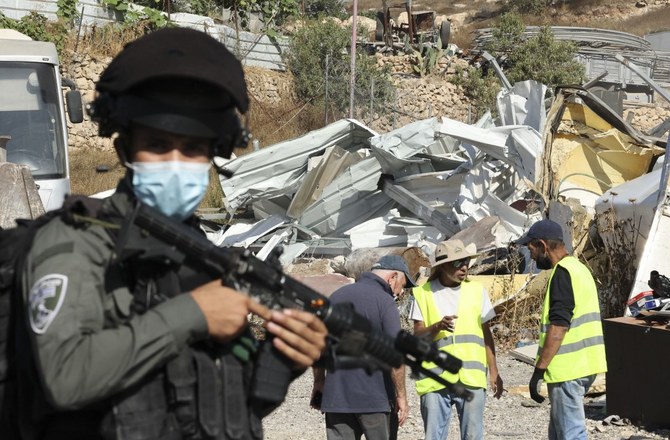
(352, 84)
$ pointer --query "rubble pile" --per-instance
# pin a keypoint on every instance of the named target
(646, 117)
(346, 187)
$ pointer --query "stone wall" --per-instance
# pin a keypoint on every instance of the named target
(85, 71)
(265, 87)
(416, 97)
(648, 116)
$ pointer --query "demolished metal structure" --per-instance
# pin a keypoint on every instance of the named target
(345, 187)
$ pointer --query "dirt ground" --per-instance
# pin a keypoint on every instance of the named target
(511, 417)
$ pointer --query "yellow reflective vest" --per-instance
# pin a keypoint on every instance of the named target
(582, 352)
(466, 342)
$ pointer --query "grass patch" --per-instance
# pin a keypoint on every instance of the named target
(85, 179)
(102, 41)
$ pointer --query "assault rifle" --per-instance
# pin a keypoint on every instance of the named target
(351, 334)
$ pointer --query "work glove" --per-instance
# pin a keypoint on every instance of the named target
(534, 385)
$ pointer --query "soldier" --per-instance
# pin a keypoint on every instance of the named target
(122, 340)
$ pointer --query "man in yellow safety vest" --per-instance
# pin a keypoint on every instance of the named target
(455, 312)
(571, 350)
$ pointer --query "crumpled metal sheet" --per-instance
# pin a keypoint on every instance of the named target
(279, 169)
(592, 149)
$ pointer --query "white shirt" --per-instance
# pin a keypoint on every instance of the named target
(446, 300)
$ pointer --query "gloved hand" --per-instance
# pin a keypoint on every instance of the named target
(534, 384)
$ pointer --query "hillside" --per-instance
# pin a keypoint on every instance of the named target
(417, 98)
(638, 17)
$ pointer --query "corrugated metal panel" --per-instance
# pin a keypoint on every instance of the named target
(662, 68)
(279, 169)
(94, 12)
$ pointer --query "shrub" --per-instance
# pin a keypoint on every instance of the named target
(328, 8)
(540, 57)
(318, 51)
(37, 27)
(547, 60)
(482, 88)
(308, 49)
(506, 35)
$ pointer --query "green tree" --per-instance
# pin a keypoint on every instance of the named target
(540, 57)
(272, 12)
(529, 6)
(318, 52)
(308, 49)
(547, 60)
(506, 35)
(328, 8)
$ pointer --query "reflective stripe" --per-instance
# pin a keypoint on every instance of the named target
(461, 339)
(584, 319)
(579, 345)
(445, 341)
(471, 365)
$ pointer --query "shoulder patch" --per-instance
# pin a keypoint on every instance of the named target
(46, 298)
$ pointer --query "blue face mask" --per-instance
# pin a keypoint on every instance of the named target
(174, 188)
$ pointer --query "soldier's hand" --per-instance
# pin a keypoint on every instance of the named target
(300, 336)
(225, 309)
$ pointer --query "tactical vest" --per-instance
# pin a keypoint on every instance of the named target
(466, 342)
(201, 394)
(582, 352)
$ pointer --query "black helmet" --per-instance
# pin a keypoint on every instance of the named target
(178, 80)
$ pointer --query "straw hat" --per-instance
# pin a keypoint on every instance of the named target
(452, 250)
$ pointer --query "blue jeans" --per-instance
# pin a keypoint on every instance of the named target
(436, 412)
(567, 420)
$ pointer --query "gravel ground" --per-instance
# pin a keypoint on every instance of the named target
(511, 417)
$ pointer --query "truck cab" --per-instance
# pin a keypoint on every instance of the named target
(32, 113)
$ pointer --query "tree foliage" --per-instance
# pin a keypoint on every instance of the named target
(506, 35)
(327, 8)
(480, 87)
(38, 27)
(271, 12)
(318, 56)
(308, 49)
(540, 57)
(547, 60)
